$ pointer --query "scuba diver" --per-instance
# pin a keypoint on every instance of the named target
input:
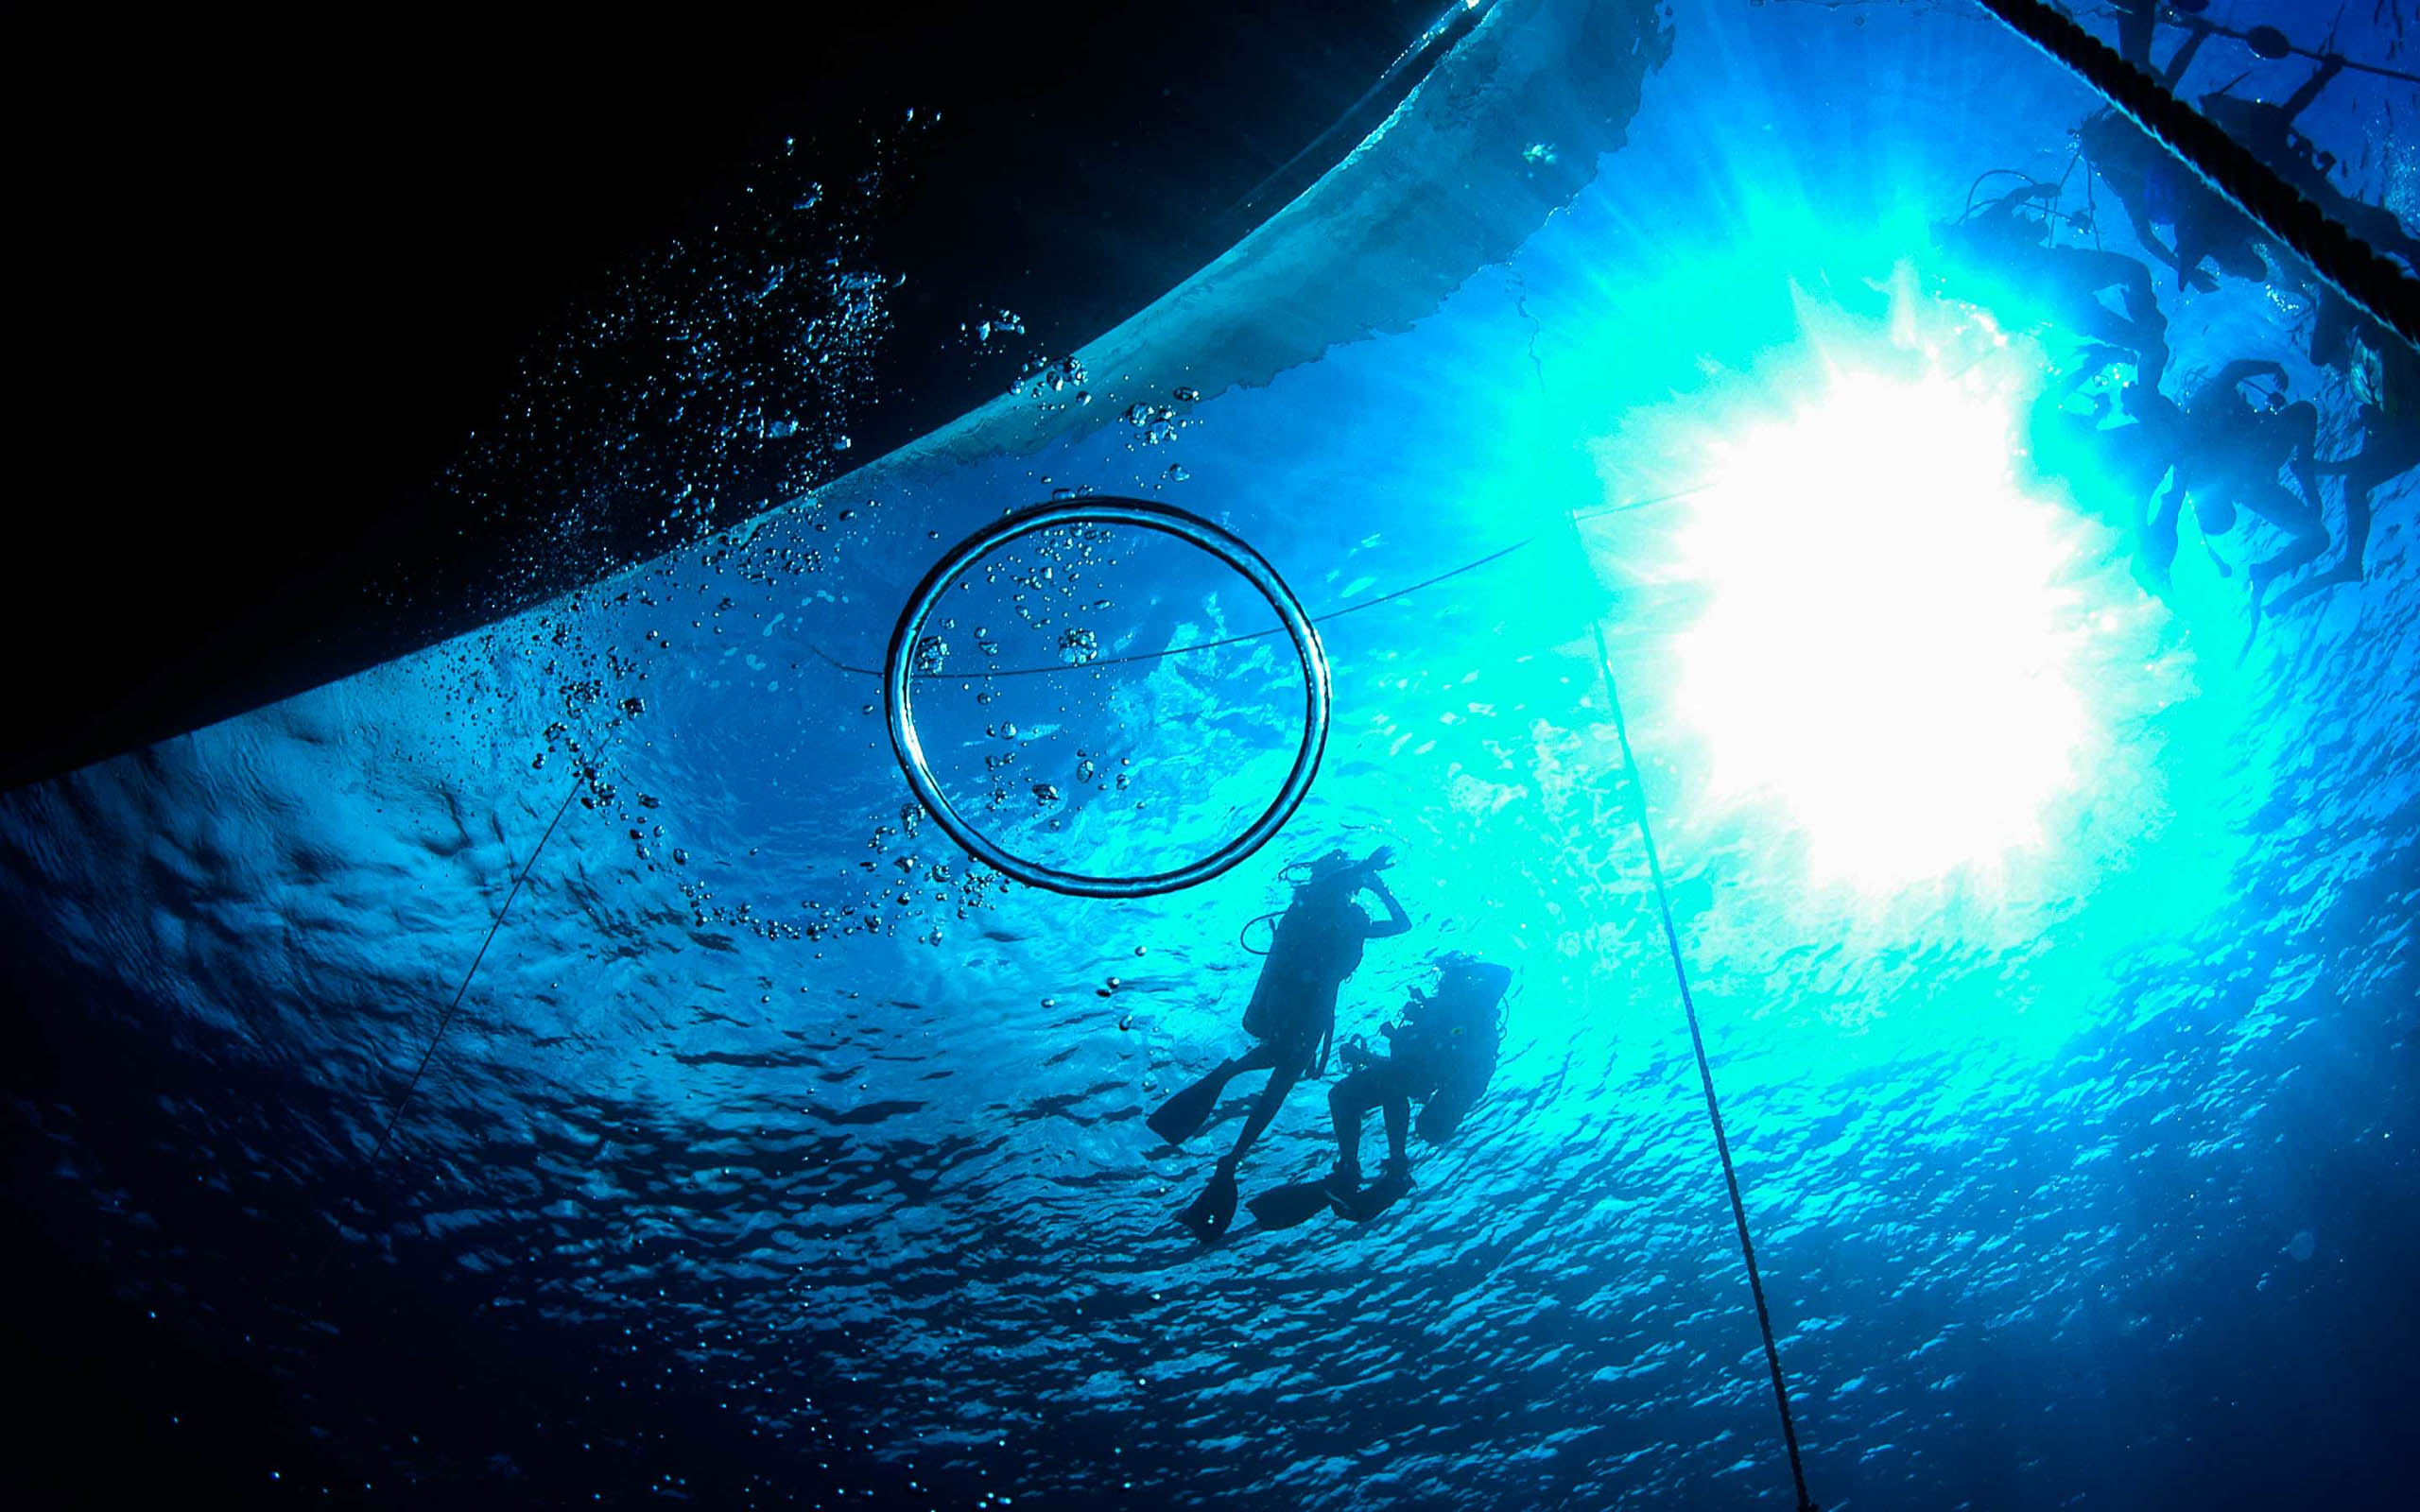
(2147, 450)
(2385, 376)
(2066, 280)
(2155, 190)
(1442, 1054)
(2112, 471)
(2115, 472)
(1292, 1015)
(2231, 458)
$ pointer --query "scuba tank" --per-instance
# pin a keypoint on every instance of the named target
(1463, 1026)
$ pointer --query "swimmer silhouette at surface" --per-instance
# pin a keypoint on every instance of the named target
(1292, 1015)
(1441, 1053)
(2269, 130)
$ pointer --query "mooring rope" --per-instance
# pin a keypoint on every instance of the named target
(1638, 783)
(1705, 1071)
(395, 1115)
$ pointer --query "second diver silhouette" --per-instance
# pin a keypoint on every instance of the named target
(1442, 1054)
(1292, 1015)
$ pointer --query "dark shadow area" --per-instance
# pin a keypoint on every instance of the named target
(187, 1332)
(283, 278)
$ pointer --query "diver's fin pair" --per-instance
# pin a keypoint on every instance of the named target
(1287, 1207)
(1376, 1198)
(1212, 1213)
(1298, 1203)
(1182, 1116)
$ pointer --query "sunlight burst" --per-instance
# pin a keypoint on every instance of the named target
(1891, 644)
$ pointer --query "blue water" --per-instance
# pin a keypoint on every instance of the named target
(777, 1154)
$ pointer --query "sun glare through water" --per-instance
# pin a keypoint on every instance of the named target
(1891, 643)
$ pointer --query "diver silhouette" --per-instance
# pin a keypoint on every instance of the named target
(2155, 190)
(1292, 1015)
(2229, 460)
(2067, 282)
(2112, 471)
(2384, 374)
(1442, 1054)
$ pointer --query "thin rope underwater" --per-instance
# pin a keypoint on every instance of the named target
(446, 1019)
(1637, 788)
(1492, 557)
(1705, 1071)
(1626, 507)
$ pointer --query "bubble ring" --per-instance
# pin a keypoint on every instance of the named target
(899, 680)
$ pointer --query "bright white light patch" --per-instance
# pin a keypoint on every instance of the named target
(1891, 642)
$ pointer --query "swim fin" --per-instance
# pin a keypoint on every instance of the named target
(1212, 1213)
(1288, 1206)
(1378, 1196)
(1182, 1116)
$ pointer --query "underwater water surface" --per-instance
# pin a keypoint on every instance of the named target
(2053, 937)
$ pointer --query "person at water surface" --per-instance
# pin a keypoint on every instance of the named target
(1292, 1015)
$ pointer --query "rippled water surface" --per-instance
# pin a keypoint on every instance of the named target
(777, 1153)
